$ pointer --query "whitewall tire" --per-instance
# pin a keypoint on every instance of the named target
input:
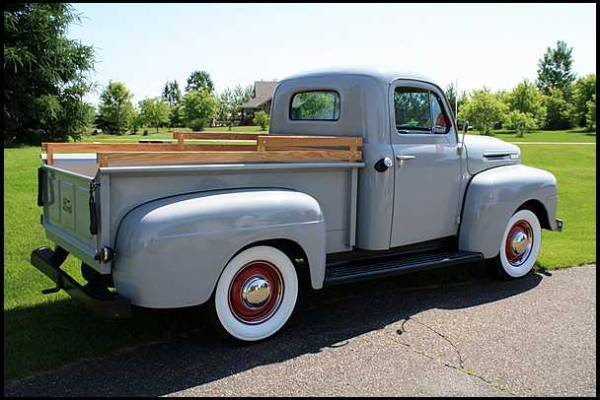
(520, 245)
(256, 293)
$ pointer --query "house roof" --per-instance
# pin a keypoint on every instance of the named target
(263, 92)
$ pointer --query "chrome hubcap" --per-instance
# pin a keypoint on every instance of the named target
(255, 292)
(519, 243)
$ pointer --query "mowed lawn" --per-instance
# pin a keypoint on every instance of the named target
(44, 332)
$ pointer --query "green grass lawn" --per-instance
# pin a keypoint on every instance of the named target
(575, 135)
(164, 133)
(43, 332)
(510, 136)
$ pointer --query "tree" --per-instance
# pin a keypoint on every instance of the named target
(45, 74)
(136, 122)
(177, 116)
(224, 110)
(520, 122)
(261, 119)
(230, 101)
(171, 93)
(154, 112)
(554, 70)
(199, 80)
(199, 107)
(591, 115)
(527, 99)
(115, 110)
(450, 93)
(584, 90)
(559, 110)
(483, 110)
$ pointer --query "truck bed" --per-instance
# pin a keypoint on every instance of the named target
(83, 182)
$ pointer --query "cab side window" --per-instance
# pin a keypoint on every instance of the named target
(419, 111)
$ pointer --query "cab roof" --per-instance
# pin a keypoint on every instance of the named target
(379, 75)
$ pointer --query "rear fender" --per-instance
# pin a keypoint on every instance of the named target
(171, 252)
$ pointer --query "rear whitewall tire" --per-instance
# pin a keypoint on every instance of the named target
(278, 267)
(520, 268)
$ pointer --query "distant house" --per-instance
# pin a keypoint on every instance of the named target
(261, 100)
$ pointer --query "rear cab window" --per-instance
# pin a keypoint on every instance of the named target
(315, 105)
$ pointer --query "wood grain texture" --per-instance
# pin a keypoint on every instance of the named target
(204, 157)
(279, 148)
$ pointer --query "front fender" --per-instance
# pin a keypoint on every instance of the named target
(493, 196)
(170, 252)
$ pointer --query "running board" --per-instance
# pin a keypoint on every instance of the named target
(375, 268)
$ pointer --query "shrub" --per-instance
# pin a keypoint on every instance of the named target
(559, 110)
(520, 122)
(199, 106)
(261, 119)
(483, 110)
(591, 115)
(197, 124)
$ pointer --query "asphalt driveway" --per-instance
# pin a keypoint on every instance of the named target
(480, 336)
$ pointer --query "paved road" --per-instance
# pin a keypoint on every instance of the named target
(534, 336)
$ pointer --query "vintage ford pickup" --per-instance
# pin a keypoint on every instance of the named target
(361, 175)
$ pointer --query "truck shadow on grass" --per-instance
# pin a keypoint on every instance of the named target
(185, 353)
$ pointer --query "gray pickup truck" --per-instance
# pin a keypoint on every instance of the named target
(248, 236)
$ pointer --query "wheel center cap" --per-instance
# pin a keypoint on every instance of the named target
(255, 292)
(518, 242)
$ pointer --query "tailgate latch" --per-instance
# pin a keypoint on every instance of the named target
(93, 215)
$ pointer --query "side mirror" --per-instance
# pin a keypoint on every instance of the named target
(465, 129)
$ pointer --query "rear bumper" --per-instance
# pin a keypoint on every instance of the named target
(96, 298)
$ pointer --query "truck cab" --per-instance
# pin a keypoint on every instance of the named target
(247, 237)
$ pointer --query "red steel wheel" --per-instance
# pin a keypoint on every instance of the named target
(519, 242)
(255, 292)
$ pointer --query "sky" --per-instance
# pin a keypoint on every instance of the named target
(144, 45)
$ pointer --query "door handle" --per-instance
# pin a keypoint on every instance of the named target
(400, 157)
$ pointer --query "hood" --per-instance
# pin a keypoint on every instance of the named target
(484, 152)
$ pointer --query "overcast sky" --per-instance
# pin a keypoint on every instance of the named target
(144, 45)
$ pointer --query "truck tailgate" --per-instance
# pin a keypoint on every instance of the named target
(65, 196)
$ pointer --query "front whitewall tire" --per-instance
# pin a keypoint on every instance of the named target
(283, 271)
(519, 269)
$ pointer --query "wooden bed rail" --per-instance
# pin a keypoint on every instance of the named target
(204, 157)
(266, 147)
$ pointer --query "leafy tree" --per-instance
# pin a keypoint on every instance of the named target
(483, 110)
(559, 110)
(45, 74)
(199, 80)
(554, 70)
(154, 112)
(135, 123)
(115, 110)
(177, 116)
(527, 99)
(591, 115)
(199, 107)
(261, 119)
(520, 122)
(450, 93)
(230, 102)
(224, 110)
(584, 90)
(171, 93)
